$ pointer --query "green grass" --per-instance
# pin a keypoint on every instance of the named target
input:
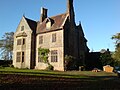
(8, 70)
(67, 74)
(13, 78)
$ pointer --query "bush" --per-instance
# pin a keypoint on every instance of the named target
(12, 66)
(50, 67)
(5, 63)
(1, 67)
(71, 63)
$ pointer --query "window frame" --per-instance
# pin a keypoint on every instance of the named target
(54, 55)
(39, 59)
(24, 41)
(40, 39)
(22, 28)
(18, 57)
(19, 41)
(54, 37)
(23, 57)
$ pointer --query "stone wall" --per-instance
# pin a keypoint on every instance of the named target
(48, 44)
(25, 48)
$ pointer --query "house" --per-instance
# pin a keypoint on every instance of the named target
(59, 34)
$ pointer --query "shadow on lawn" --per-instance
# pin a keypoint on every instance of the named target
(27, 82)
(46, 74)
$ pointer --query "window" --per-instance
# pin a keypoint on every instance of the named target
(23, 56)
(48, 25)
(18, 57)
(19, 42)
(39, 59)
(54, 56)
(40, 39)
(22, 28)
(54, 37)
(23, 41)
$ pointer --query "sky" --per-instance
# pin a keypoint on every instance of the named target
(100, 19)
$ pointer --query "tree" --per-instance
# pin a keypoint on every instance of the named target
(70, 63)
(106, 58)
(117, 47)
(6, 46)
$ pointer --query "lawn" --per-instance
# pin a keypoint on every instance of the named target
(73, 74)
(11, 78)
(67, 74)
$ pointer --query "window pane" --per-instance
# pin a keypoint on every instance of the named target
(39, 59)
(40, 39)
(48, 25)
(23, 41)
(18, 57)
(54, 37)
(22, 28)
(19, 42)
(22, 56)
(54, 56)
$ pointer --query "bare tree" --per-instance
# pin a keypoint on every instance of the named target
(6, 46)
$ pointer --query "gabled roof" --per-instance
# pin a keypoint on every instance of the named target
(57, 21)
(79, 27)
(32, 24)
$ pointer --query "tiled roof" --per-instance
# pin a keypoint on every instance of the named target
(57, 23)
(32, 24)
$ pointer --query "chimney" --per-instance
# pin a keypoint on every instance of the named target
(43, 14)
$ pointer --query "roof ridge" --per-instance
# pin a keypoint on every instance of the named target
(57, 15)
(32, 24)
(29, 19)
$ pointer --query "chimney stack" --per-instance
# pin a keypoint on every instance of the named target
(43, 14)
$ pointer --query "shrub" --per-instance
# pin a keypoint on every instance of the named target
(12, 66)
(1, 67)
(70, 63)
(50, 67)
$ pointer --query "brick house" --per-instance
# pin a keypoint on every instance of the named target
(58, 33)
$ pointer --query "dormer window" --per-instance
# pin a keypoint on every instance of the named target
(22, 28)
(49, 23)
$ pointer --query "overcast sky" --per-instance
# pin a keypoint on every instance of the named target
(100, 18)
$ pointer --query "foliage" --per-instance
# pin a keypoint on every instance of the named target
(117, 38)
(12, 66)
(5, 63)
(43, 52)
(50, 67)
(117, 45)
(6, 46)
(70, 62)
(106, 58)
